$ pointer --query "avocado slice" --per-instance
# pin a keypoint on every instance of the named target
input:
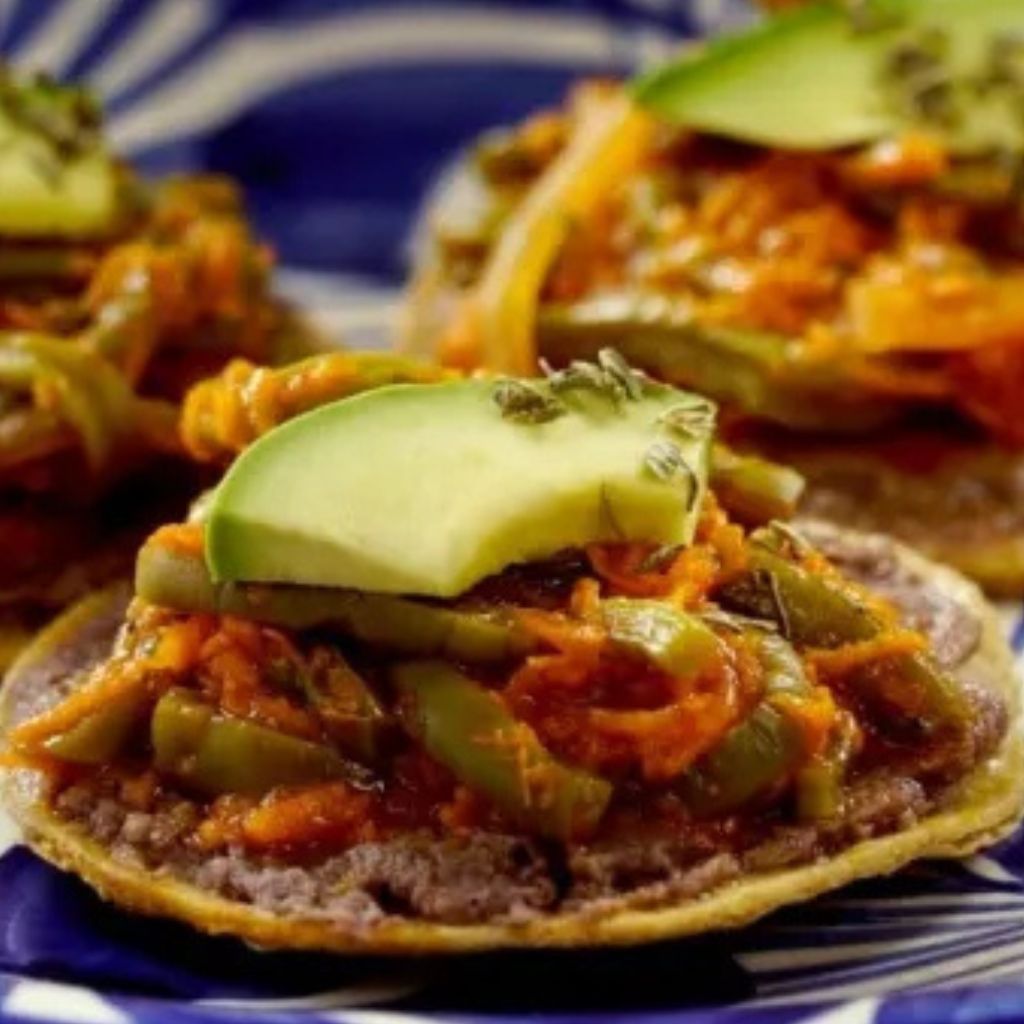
(427, 489)
(57, 179)
(829, 75)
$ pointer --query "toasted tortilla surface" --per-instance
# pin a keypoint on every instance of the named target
(965, 510)
(983, 807)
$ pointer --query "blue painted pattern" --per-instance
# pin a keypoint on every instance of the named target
(337, 115)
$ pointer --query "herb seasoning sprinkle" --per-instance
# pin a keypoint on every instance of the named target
(524, 403)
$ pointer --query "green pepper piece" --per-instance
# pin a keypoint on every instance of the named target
(815, 611)
(469, 730)
(681, 645)
(818, 795)
(350, 711)
(91, 397)
(759, 752)
(99, 737)
(40, 262)
(810, 610)
(754, 371)
(180, 722)
(819, 782)
(177, 580)
(217, 755)
(754, 490)
(988, 182)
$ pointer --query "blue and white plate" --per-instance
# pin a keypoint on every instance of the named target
(337, 115)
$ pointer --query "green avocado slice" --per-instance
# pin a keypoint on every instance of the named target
(830, 74)
(428, 489)
(57, 178)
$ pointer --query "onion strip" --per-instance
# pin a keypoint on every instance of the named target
(607, 144)
(74, 386)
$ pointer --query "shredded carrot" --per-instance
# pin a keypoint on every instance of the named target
(905, 307)
(461, 343)
(726, 539)
(693, 575)
(140, 791)
(620, 565)
(222, 826)
(182, 538)
(164, 274)
(178, 645)
(541, 136)
(466, 811)
(718, 554)
(915, 158)
(234, 659)
(609, 714)
(332, 813)
(159, 278)
(814, 715)
(56, 772)
(224, 414)
(106, 686)
(221, 253)
(841, 661)
(665, 741)
(585, 602)
(574, 638)
(890, 379)
(925, 219)
(174, 651)
(12, 759)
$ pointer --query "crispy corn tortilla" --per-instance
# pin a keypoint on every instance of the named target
(979, 810)
(966, 509)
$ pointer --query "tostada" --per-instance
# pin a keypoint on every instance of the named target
(503, 662)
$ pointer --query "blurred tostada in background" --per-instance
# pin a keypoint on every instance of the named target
(816, 222)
